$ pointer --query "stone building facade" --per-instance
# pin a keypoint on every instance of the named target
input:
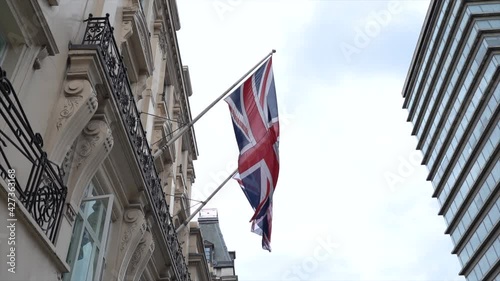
(90, 89)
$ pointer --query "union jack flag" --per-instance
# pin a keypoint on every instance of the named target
(254, 111)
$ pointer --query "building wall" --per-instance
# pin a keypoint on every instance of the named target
(67, 92)
(452, 93)
(26, 253)
(220, 260)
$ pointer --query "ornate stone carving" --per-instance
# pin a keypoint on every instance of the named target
(131, 239)
(131, 217)
(152, 246)
(93, 132)
(136, 257)
(92, 146)
(140, 257)
(127, 30)
(126, 236)
(66, 165)
(72, 91)
(74, 109)
(163, 44)
(70, 212)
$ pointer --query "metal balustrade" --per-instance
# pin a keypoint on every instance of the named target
(24, 165)
(99, 36)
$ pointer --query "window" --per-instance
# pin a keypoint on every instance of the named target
(208, 254)
(88, 243)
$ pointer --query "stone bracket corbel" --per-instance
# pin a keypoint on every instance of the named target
(75, 107)
(134, 228)
(140, 258)
(92, 147)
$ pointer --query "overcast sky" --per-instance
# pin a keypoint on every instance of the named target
(352, 202)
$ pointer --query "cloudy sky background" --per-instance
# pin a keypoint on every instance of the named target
(352, 202)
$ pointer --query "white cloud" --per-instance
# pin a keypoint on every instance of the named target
(344, 134)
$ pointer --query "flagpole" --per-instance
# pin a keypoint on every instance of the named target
(190, 124)
(205, 202)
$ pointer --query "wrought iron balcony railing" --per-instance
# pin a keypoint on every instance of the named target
(38, 182)
(99, 36)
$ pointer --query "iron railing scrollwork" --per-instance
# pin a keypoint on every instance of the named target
(38, 182)
(99, 36)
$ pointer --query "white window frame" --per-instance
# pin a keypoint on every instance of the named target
(102, 246)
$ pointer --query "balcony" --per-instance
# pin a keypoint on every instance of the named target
(98, 37)
(24, 165)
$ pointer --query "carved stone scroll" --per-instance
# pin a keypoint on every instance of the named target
(73, 111)
(134, 228)
(140, 258)
(92, 146)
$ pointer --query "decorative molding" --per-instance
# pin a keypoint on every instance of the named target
(66, 164)
(73, 99)
(162, 37)
(92, 146)
(140, 258)
(163, 44)
(127, 30)
(70, 212)
(126, 236)
(134, 261)
(86, 64)
(93, 132)
(75, 108)
(132, 236)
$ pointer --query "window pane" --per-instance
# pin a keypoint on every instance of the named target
(95, 213)
(83, 269)
(75, 240)
(88, 243)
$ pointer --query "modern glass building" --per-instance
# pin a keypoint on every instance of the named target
(452, 94)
